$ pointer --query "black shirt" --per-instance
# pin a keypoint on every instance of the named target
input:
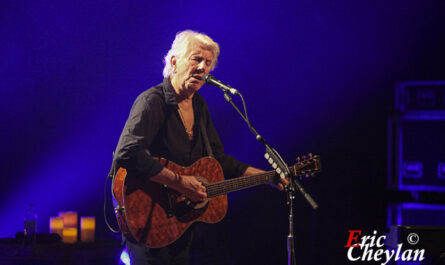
(155, 129)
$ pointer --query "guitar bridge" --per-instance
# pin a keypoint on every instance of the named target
(171, 200)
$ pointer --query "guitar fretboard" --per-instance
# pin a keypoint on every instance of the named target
(226, 186)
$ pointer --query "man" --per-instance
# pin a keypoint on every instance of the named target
(165, 121)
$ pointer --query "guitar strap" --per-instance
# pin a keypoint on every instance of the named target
(206, 139)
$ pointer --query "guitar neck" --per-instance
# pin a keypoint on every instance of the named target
(226, 186)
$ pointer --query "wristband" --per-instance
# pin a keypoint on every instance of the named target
(178, 178)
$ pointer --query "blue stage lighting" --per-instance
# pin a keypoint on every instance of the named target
(441, 170)
(125, 259)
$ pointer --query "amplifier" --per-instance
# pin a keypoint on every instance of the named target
(429, 238)
(418, 221)
(415, 97)
(416, 142)
(415, 214)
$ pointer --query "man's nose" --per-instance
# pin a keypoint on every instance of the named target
(202, 66)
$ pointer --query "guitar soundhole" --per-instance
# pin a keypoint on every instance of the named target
(187, 210)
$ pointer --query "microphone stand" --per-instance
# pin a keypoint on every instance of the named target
(281, 168)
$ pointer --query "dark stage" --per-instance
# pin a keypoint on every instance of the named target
(317, 76)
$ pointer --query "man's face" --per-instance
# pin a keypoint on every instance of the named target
(191, 68)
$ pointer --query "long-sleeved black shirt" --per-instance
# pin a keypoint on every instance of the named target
(155, 129)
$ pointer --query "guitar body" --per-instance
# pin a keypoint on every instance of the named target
(151, 214)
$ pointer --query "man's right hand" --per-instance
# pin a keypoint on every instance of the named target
(191, 187)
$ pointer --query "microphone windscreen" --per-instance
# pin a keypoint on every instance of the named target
(207, 78)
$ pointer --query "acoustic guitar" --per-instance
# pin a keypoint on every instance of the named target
(151, 214)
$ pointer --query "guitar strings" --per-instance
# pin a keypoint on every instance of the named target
(222, 187)
(225, 186)
(233, 183)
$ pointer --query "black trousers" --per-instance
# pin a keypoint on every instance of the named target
(177, 253)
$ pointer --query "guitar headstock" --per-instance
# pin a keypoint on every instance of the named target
(307, 166)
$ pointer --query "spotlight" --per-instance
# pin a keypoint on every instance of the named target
(125, 259)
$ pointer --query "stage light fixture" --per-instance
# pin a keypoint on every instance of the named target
(125, 258)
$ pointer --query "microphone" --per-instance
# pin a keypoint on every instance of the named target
(211, 80)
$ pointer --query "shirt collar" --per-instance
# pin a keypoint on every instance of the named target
(169, 92)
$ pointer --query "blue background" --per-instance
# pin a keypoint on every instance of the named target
(318, 76)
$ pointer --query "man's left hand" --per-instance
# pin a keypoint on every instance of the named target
(279, 183)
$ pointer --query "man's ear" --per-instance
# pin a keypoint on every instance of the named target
(173, 62)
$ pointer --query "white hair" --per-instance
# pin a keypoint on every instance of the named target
(181, 47)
